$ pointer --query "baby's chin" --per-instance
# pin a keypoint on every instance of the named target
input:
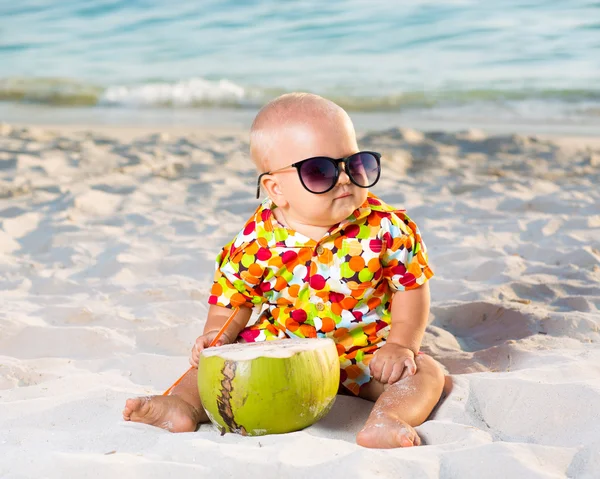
(341, 208)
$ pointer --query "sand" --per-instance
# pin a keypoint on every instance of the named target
(107, 247)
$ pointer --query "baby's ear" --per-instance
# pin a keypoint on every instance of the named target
(274, 191)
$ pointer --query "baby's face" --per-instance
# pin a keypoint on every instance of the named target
(331, 137)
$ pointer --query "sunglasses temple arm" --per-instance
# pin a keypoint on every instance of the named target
(258, 183)
(258, 186)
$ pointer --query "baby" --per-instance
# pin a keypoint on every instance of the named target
(322, 257)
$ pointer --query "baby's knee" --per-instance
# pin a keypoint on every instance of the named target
(426, 365)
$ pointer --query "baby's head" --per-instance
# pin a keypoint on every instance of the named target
(299, 126)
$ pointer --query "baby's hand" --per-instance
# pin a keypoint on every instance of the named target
(392, 362)
(204, 342)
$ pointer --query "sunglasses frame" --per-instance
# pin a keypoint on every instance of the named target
(336, 163)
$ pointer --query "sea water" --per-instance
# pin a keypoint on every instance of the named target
(535, 58)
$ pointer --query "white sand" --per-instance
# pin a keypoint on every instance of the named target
(106, 258)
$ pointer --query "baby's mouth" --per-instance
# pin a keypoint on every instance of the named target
(343, 195)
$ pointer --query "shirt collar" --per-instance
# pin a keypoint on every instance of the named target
(275, 233)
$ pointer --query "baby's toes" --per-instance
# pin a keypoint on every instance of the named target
(409, 437)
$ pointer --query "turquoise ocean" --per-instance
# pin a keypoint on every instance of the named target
(512, 59)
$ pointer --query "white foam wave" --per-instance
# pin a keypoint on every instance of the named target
(193, 92)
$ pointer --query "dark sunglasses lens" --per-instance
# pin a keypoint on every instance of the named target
(364, 169)
(318, 174)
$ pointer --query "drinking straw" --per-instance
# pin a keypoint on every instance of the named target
(212, 343)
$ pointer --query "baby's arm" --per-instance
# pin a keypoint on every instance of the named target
(410, 311)
(217, 316)
(396, 359)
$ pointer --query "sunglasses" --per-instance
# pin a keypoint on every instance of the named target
(321, 173)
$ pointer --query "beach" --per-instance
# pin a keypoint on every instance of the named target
(124, 169)
(108, 237)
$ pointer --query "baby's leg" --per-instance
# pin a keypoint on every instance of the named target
(181, 411)
(401, 406)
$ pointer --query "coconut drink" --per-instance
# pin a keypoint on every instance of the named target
(270, 387)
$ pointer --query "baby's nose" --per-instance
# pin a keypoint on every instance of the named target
(343, 178)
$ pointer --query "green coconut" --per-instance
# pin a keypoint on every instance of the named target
(268, 387)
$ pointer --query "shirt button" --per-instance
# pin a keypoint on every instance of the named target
(320, 307)
(320, 249)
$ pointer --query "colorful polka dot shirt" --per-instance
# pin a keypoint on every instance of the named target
(339, 287)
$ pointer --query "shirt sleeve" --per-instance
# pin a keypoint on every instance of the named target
(405, 263)
(237, 278)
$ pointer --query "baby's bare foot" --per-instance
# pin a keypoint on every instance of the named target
(167, 412)
(386, 432)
